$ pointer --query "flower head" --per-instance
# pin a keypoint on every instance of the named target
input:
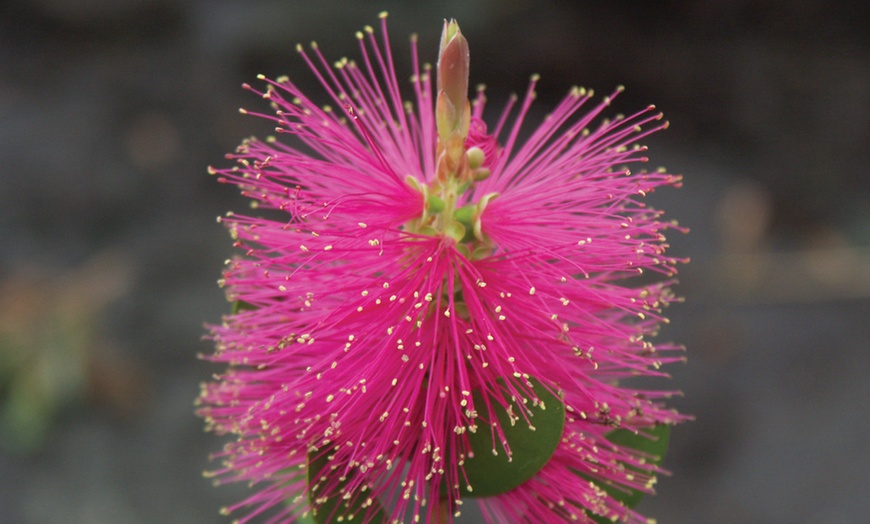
(418, 291)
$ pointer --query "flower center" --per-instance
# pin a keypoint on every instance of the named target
(444, 213)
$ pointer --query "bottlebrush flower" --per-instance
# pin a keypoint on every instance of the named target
(432, 310)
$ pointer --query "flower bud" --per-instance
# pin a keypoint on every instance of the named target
(453, 111)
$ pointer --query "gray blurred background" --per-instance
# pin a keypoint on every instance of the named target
(110, 111)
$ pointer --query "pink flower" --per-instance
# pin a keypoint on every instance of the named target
(408, 271)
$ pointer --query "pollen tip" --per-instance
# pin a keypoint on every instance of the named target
(383, 14)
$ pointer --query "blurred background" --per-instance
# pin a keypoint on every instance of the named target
(110, 111)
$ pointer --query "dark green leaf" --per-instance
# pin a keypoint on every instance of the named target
(656, 446)
(241, 305)
(307, 519)
(490, 474)
(335, 507)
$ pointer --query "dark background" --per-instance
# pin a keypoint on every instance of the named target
(110, 111)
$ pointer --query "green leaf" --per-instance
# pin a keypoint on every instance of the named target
(307, 519)
(531, 449)
(335, 507)
(655, 447)
(241, 305)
